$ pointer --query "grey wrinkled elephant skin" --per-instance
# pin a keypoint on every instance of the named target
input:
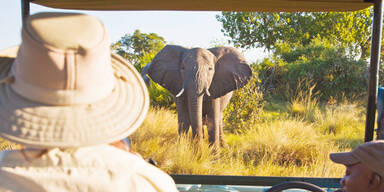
(144, 73)
(202, 81)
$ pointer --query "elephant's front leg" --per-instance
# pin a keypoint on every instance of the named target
(214, 129)
(182, 115)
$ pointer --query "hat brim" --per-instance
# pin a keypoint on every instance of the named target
(345, 158)
(40, 125)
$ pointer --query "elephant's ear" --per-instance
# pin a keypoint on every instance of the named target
(231, 71)
(165, 68)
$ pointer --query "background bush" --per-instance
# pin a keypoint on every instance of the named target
(159, 96)
(245, 106)
(139, 49)
(335, 75)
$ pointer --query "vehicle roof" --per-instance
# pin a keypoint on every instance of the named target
(210, 5)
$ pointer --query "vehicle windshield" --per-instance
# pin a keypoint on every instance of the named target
(305, 96)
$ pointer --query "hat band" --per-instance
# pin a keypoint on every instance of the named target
(60, 97)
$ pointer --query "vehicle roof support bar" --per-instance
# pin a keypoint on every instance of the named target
(373, 70)
(24, 10)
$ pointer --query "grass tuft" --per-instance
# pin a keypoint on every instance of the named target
(7, 145)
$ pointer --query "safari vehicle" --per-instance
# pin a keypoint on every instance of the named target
(258, 183)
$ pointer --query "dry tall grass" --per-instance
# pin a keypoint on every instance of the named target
(7, 145)
(288, 146)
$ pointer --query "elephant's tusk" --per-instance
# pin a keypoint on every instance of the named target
(180, 93)
(207, 92)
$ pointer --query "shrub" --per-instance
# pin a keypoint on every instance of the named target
(139, 49)
(335, 74)
(159, 96)
(245, 106)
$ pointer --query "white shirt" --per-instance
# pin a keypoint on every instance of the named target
(97, 168)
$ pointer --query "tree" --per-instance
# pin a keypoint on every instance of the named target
(139, 48)
(255, 29)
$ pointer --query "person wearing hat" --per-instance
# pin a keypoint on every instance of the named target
(66, 98)
(364, 167)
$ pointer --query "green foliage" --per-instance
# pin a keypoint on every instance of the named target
(335, 75)
(381, 65)
(218, 43)
(245, 106)
(139, 48)
(159, 96)
(257, 29)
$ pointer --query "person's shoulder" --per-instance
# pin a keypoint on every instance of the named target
(151, 174)
(120, 164)
(10, 182)
(134, 166)
(159, 179)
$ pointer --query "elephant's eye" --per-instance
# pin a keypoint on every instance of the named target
(210, 68)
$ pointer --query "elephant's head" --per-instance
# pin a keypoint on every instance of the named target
(213, 72)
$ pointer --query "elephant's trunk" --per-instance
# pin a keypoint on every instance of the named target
(195, 103)
(144, 73)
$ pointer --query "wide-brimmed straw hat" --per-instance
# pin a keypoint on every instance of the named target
(62, 87)
(371, 154)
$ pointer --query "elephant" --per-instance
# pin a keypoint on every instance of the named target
(144, 73)
(202, 82)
